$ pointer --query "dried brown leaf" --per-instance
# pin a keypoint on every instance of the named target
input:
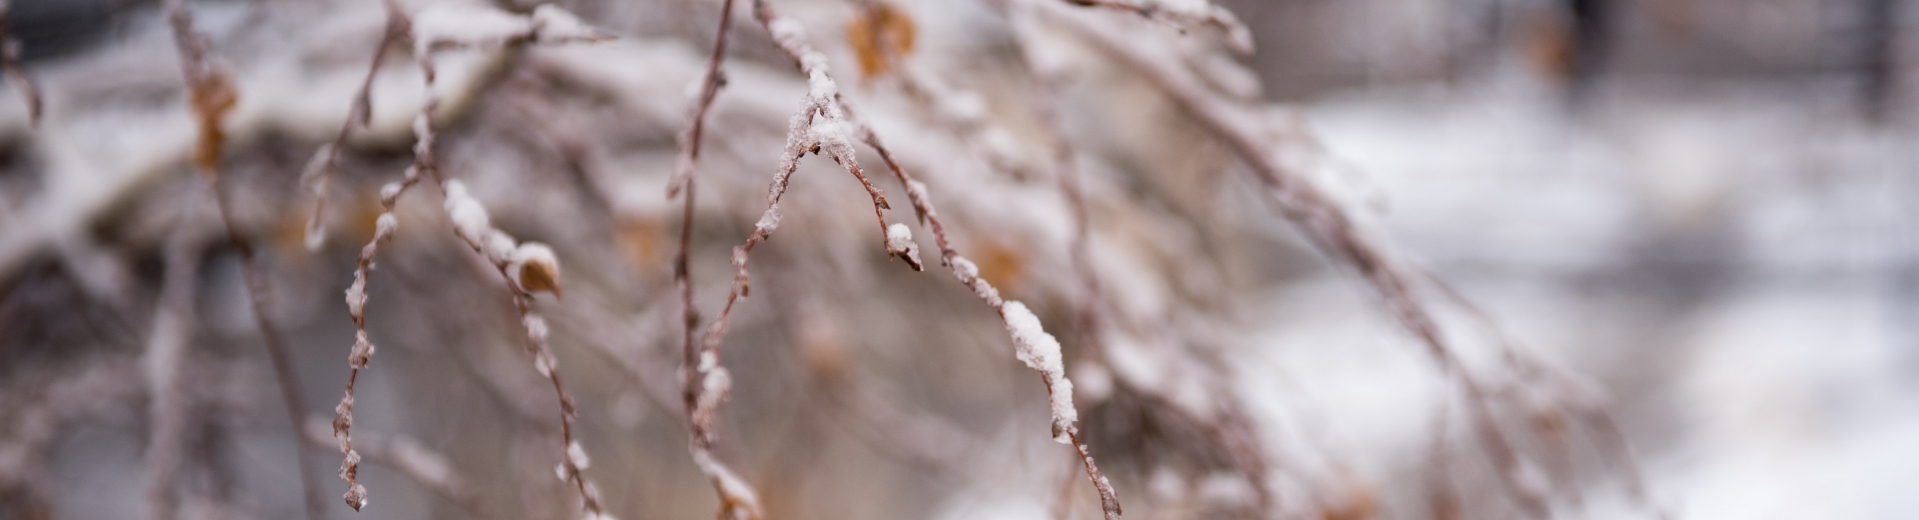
(881, 34)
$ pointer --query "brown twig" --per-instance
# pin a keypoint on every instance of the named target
(1033, 345)
(407, 457)
(212, 96)
(738, 500)
(968, 273)
(526, 267)
(319, 171)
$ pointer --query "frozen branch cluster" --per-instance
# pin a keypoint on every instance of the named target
(1070, 153)
(527, 267)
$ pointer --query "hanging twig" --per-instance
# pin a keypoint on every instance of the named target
(212, 96)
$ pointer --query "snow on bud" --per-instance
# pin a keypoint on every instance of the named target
(469, 217)
(389, 192)
(543, 363)
(535, 268)
(713, 388)
(499, 247)
(899, 243)
(1041, 352)
(535, 327)
(965, 269)
(356, 294)
(384, 226)
(819, 86)
(576, 455)
(769, 221)
(362, 350)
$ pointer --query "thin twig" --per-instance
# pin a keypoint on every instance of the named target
(408, 457)
(1033, 345)
(319, 171)
(212, 95)
(526, 267)
(738, 500)
(1326, 223)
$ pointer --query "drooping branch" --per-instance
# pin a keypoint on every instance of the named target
(318, 174)
(1229, 428)
(212, 95)
(527, 267)
(698, 378)
(408, 457)
(1033, 346)
(1330, 228)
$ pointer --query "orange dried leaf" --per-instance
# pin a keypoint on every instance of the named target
(881, 34)
(1001, 265)
(642, 240)
(213, 96)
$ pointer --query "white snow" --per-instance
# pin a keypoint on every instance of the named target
(469, 217)
(384, 226)
(535, 326)
(1040, 351)
(899, 241)
(356, 293)
(576, 455)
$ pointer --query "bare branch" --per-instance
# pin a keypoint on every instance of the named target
(318, 174)
(1033, 345)
(408, 457)
(738, 500)
(527, 267)
(212, 96)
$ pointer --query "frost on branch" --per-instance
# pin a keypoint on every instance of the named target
(900, 244)
(1040, 351)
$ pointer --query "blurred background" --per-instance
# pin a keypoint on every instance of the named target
(1695, 214)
